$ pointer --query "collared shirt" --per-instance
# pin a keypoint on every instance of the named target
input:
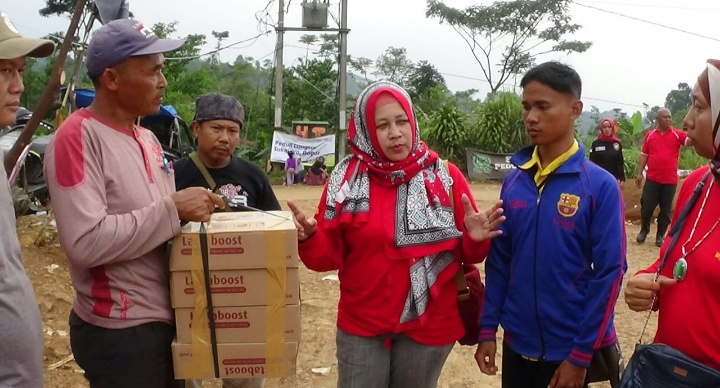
(663, 153)
(543, 172)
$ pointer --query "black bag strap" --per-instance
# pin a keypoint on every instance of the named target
(203, 170)
(674, 236)
(675, 230)
(208, 178)
(208, 296)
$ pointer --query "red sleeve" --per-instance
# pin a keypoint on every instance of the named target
(323, 251)
(645, 149)
(473, 252)
(682, 137)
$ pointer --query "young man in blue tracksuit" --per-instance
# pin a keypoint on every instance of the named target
(554, 274)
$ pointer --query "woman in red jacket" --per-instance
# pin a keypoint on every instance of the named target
(386, 221)
(687, 294)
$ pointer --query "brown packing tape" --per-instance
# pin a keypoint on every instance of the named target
(201, 349)
(276, 293)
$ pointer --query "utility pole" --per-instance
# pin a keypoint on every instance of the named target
(342, 75)
(280, 30)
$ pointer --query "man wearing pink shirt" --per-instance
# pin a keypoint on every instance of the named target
(114, 199)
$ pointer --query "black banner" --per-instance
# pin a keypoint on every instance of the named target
(484, 166)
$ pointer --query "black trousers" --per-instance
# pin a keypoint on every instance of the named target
(518, 372)
(136, 357)
(655, 194)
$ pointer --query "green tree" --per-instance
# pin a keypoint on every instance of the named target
(650, 114)
(309, 92)
(466, 100)
(177, 61)
(183, 85)
(220, 36)
(58, 7)
(679, 116)
(35, 79)
(595, 117)
(361, 65)
(437, 97)
(679, 100)
(308, 40)
(329, 47)
(520, 29)
(422, 78)
(394, 66)
(498, 125)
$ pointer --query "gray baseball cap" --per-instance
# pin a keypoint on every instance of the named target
(121, 39)
(215, 106)
(13, 45)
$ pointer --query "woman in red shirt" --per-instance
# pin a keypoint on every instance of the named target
(387, 223)
(687, 295)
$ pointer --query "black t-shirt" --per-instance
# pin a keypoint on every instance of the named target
(608, 155)
(239, 182)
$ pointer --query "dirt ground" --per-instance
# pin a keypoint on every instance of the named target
(47, 267)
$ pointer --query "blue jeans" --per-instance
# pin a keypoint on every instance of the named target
(365, 362)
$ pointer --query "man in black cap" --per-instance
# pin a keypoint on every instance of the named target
(218, 121)
(21, 337)
(116, 206)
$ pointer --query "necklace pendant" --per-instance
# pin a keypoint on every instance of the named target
(680, 269)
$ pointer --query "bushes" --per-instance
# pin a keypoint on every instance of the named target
(446, 133)
(631, 157)
(498, 125)
(690, 160)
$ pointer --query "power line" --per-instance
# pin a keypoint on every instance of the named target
(484, 80)
(256, 37)
(654, 6)
(518, 87)
(647, 21)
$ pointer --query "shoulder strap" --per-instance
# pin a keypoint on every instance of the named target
(203, 170)
(459, 278)
(208, 178)
(674, 235)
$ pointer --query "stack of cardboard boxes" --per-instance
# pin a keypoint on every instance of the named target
(253, 273)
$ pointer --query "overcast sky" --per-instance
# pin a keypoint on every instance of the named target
(630, 63)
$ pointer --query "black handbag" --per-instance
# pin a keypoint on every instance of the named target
(661, 366)
(607, 364)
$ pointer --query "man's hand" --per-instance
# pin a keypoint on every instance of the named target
(482, 226)
(568, 375)
(485, 357)
(641, 288)
(196, 204)
(305, 226)
(639, 181)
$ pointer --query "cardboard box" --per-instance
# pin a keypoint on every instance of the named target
(239, 240)
(236, 361)
(239, 324)
(244, 287)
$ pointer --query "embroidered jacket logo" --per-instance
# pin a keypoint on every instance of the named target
(568, 204)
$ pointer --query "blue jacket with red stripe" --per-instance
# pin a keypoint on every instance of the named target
(554, 275)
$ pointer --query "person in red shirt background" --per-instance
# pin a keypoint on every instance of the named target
(660, 153)
(689, 304)
(397, 223)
